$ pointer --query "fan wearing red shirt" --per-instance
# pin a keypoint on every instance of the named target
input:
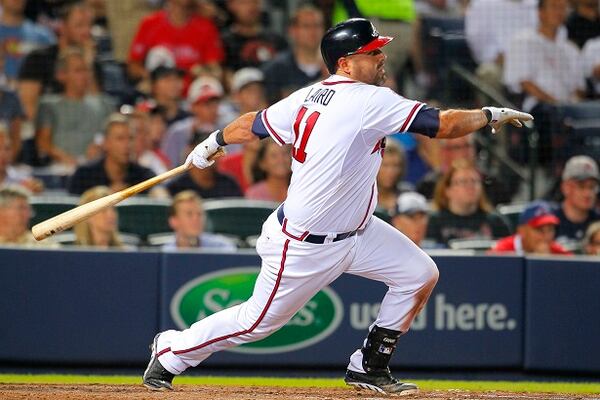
(193, 40)
(535, 233)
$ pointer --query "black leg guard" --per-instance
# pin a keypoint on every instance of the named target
(378, 350)
(377, 353)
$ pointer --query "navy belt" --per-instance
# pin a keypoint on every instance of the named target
(316, 239)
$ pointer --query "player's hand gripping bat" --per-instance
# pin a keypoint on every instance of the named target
(69, 218)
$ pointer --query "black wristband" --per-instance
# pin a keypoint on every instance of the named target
(488, 115)
(220, 139)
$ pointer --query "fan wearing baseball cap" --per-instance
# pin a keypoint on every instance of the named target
(535, 233)
(579, 186)
(204, 98)
(411, 216)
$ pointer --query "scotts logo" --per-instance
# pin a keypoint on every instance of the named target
(216, 291)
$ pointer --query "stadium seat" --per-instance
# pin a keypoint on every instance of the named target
(471, 244)
(143, 216)
(45, 207)
(444, 43)
(160, 239)
(68, 239)
(237, 217)
(511, 212)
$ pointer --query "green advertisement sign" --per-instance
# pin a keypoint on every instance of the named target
(216, 291)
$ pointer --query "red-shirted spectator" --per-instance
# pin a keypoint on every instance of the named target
(535, 233)
(192, 39)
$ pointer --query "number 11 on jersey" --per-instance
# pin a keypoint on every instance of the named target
(298, 151)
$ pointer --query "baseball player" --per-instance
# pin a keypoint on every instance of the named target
(325, 227)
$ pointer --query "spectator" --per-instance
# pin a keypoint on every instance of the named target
(68, 122)
(11, 115)
(591, 241)
(99, 230)
(204, 97)
(535, 233)
(584, 22)
(114, 169)
(19, 36)
(547, 70)
(246, 41)
(148, 128)
(207, 182)
(591, 64)
(37, 74)
(411, 217)
(15, 214)
(489, 32)
(10, 175)
(579, 186)
(463, 211)
(192, 39)
(166, 91)
(450, 150)
(186, 218)
(272, 171)
(389, 177)
(301, 64)
(248, 90)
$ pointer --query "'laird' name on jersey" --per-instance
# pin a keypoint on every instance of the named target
(321, 96)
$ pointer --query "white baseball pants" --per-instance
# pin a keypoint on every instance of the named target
(292, 273)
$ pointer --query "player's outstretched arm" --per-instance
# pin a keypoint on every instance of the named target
(457, 123)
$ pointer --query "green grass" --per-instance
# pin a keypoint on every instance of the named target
(553, 387)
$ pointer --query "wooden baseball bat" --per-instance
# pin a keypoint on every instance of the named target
(69, 218)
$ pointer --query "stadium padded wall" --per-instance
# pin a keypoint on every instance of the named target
(103, 308)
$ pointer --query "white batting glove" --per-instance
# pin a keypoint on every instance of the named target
(199, 156)
(501, 116)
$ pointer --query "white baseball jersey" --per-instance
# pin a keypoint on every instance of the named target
(337, 128)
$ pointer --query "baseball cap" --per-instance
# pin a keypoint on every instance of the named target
(204, 88)
(411, 203)
(162, 70)
(538, 213)
(157, 56)
(580, 168)
(246, 76)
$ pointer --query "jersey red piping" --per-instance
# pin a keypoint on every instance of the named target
(368, 207)
(271, 130)
(300, 238)
(336, 82)
(410, 115)
(260, 318)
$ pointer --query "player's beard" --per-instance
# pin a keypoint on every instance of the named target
(381, 76)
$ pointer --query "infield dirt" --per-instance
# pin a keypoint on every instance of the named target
(198, 392)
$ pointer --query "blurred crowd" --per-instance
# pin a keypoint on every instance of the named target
(97, 95)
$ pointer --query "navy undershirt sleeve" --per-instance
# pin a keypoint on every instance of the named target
(426, 122)
(258, 128)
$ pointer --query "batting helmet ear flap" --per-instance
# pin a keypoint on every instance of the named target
(354, 36)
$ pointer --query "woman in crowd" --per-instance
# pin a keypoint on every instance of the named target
(272, 172)
(462, 208)
(100, 230)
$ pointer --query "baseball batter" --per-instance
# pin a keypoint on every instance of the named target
(325, 227)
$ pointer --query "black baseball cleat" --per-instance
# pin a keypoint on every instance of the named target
(380, 383)
(156, 377)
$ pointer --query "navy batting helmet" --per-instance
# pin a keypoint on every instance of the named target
(354, 36)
